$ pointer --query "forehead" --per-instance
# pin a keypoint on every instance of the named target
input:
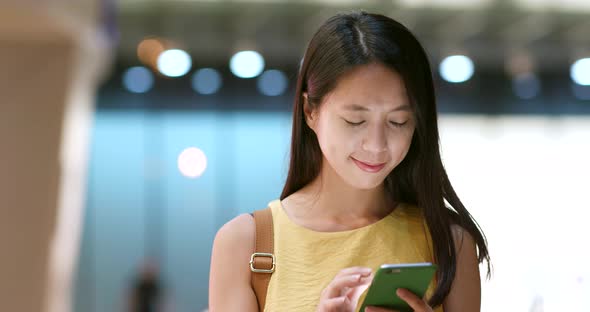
(373, 85)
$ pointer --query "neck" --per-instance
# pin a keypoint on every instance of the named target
(334, 199)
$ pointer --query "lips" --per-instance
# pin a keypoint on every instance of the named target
(368, 167)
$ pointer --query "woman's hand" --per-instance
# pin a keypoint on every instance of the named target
(419, 305)
(343, 292)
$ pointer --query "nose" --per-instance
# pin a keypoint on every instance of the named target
(375, 141)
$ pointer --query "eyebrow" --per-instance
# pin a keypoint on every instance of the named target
(356, 107)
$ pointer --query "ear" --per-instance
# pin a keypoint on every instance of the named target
(309, 112)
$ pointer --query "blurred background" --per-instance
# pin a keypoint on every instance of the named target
(132, 130)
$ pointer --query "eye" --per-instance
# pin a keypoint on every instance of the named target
(397, 124)
(354, 123)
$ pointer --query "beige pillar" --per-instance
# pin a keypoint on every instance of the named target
(51, 60)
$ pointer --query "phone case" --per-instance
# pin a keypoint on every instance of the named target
(389, 277)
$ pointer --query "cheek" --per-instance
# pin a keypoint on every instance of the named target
(400, 144)
(336, 142)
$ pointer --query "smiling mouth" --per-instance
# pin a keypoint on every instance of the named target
(368, 167)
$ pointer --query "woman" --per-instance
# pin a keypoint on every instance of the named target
(366, 184)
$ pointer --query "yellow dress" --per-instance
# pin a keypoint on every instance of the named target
(307, 260)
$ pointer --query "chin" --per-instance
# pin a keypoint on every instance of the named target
(365, 184)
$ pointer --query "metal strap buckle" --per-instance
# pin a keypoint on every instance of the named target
(262, 254)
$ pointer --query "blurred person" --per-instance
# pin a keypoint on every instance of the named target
(146, 293)
(366, 184)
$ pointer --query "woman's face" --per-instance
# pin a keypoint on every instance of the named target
(364, 126)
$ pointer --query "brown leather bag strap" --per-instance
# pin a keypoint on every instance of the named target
(262, 261)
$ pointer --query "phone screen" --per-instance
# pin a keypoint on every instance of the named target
(389, 277)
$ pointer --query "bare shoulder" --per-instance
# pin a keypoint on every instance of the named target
(239, 228)
(465, 294)
(229, 276)
(462, 238)
(234, 241)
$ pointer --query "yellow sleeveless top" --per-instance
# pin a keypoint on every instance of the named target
(307, 260)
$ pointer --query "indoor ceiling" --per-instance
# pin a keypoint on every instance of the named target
(488, 31)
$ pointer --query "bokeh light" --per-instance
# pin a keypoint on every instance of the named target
(456, 68)
(206, 81)
(526, 86)
(580, 72)
(192, 162)
(148, 51)
(272, 82)
(138, 79)
(174, 63)
(246, 64)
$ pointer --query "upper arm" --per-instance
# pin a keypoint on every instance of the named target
(465, 293)
(229, 278)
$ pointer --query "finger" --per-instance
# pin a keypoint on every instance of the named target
(335, 288)
(413, 301)
(355, 293)
(335, 304)
(355, 270)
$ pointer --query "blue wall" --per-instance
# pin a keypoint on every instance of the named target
(139, 204)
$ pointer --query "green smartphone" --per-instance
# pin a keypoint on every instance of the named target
(414, 277)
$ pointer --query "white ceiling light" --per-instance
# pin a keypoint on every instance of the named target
(174, 63)
(456, 68)
(192, 162)
(246, 64)
(580, 72)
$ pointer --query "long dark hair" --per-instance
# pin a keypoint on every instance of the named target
(349, 40)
